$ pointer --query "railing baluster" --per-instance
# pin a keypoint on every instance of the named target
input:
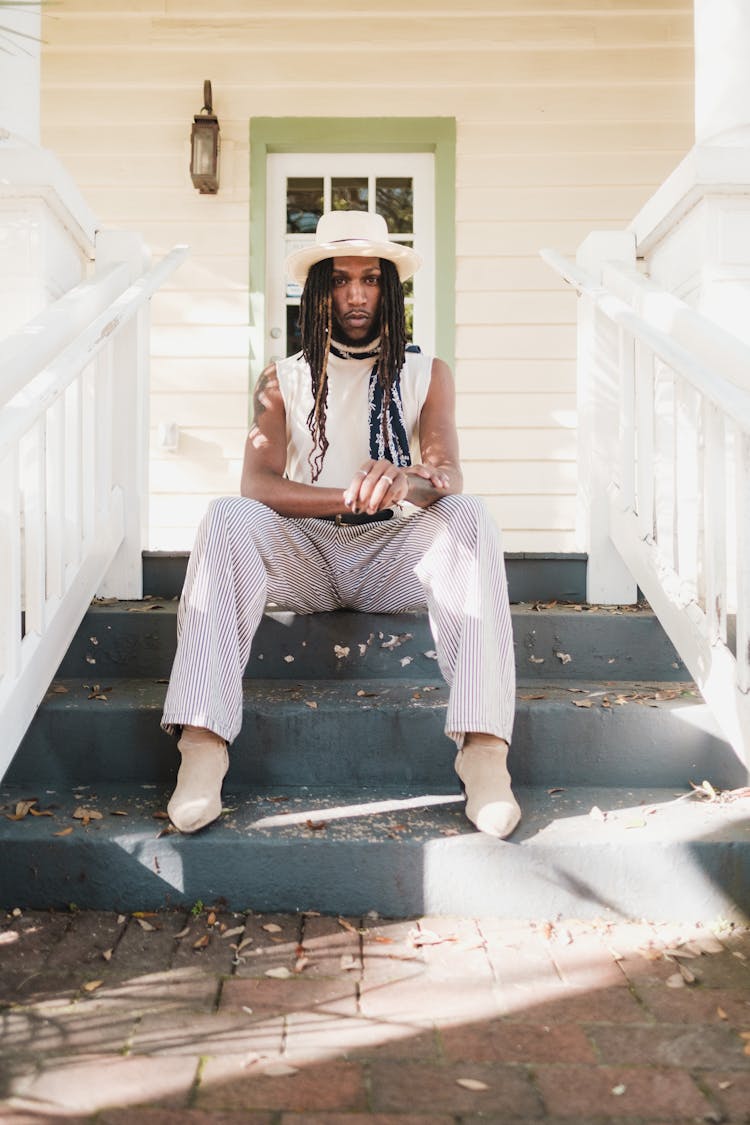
(645, 439)
(10, 568)
(686, 485)
(714, 522)
(742, 461)
(55, 488)
(626, 348)
(32, 468)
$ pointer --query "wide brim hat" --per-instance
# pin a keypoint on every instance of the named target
(352, 234)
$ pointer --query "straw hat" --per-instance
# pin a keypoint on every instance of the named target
(355, 234)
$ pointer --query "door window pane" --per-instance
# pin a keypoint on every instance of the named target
(293, 335)
(349, 193)
(304, 204)
(395, 202)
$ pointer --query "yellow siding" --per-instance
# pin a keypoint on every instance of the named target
(569, 113)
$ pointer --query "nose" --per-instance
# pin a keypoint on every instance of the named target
(357, 293)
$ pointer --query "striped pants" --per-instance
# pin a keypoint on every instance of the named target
(447, 558)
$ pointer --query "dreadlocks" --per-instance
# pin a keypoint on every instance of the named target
(316, 326)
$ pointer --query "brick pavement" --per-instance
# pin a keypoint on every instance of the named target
(209, 1016)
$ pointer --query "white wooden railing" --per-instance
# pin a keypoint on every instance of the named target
(73, 468)
(669, 391)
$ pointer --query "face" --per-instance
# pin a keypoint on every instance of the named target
(356, 284)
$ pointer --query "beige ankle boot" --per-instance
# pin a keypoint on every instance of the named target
(196, 800)
(482, 767)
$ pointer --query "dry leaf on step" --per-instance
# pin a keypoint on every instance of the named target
(272, 928)
(92, 985)
(280, 973)
(144, 924)
(472, 1084)
(280, 1070)
(23, 808)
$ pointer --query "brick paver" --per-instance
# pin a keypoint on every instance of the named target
(306, 1020)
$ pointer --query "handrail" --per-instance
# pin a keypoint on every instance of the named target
(44, 339)
(664, 468)
(48, 384)
(73, 466)
(715, 385)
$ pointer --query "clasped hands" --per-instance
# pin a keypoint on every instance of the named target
(379, 484)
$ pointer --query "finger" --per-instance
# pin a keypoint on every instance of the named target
(353, 491)
(382, 489)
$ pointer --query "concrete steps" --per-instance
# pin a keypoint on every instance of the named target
(341, 795)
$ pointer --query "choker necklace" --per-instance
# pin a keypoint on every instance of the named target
(347, 351)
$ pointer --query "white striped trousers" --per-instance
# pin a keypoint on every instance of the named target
(447, 558)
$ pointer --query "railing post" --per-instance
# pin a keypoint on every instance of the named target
(129, 418)
(609, 582)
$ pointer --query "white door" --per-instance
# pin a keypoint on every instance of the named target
(300, 186)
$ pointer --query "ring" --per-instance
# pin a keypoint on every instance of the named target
(361, 472)
(389, 479)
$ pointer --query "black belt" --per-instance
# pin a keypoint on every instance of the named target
(364, 517)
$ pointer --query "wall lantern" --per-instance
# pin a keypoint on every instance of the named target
(204, 147)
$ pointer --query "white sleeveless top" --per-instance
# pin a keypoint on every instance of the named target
(347, 414)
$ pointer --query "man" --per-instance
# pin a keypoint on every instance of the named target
(351, 497)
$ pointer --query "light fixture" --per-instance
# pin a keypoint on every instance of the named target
(204, 147)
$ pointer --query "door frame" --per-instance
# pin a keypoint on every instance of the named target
(357, 134)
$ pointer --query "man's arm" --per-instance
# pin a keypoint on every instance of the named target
(265, 460)
(380, 484)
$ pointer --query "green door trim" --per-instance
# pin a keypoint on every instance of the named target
(358, 134)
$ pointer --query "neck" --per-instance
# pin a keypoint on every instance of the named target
(364, 350)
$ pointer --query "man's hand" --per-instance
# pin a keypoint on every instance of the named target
(380, 484)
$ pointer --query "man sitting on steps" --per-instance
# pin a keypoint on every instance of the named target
(338, 511)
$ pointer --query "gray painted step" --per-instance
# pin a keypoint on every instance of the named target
(323, 733)
(138, 638)
(532, 575)
(652, 853)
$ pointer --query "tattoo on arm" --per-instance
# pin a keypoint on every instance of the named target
(261, 386)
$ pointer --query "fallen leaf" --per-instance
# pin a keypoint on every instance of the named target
(23, 808)
(143, 608)
(316, 825)
(280, 1070)
(183, 933)
(536, 660)
(280, 973)
(107, 954)
(86, 815)
(405, 660)
(8, 937)
(245, 942)
(554, 790)
(234, 932)
(59, 689)
(144, 924)
(430, 654)
(63, 831)
(367, 694)
(272, 928)
(618, 1091)
(92, 985)
(350, 929)
(675, 981)
(289, 659)
(301, 963)
(418, 938)
(724, 1085)
(596, 813)
(396, 639)
(311, 704)
(202, 942)
(527, 697)
(721, 1014)
(581, 702)
(472, 1084)
(348, 962)
(341, 651)
(211, 920)
(117, 812)
(563, 657)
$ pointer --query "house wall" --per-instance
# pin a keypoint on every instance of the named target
(569, 113)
